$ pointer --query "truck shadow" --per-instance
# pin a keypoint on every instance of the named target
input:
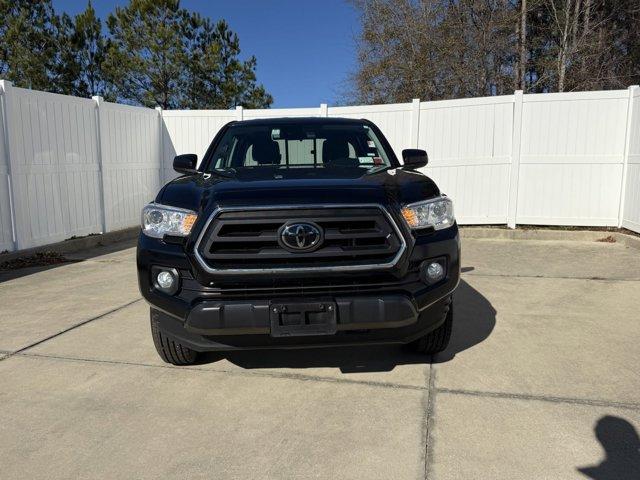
(474, 321)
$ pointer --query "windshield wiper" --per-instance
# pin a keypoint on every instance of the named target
(227, 172)
(379, 169)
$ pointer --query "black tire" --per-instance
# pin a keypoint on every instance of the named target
(169, 350)
(437, 340)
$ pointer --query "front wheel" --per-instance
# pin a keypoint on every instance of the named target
(169, 350)
(437, 340)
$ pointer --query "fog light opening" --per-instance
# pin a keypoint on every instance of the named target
(166, 280)
(432, 271)
(435, 272)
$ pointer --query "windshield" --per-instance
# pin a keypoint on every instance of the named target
(298, 146)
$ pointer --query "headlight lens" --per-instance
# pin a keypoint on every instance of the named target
(436, 213)
(160, 220)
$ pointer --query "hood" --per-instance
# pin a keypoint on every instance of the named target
(202, 192)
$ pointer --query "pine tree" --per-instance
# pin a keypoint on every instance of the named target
(215, 77)
(161, 54)
(90, 48)
(147, 53)
(28, 43)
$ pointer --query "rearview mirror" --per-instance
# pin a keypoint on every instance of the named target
(185, 163)
(414, 158)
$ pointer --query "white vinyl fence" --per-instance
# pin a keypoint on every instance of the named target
(542, 159)
(6, 215)
(73, 166)
(77, 166)
(130, 146)
(630, 194)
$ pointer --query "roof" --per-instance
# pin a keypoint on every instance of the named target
(301, 121)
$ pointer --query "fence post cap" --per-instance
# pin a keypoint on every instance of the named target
(4, 85)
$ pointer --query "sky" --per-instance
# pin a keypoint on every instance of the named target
(305, 49)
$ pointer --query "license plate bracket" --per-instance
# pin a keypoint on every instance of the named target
(297, 319)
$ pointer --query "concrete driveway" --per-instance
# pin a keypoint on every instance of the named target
(542, 380)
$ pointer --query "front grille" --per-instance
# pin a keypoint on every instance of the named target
(319, 286)
(248, 239)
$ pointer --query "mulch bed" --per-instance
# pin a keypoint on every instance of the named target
(39, 259)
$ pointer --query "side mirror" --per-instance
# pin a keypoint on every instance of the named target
(185, 163)
(414, 158)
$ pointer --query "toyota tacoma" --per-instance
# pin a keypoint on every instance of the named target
(298, 232)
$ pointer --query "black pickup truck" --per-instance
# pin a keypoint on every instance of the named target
(298, 232)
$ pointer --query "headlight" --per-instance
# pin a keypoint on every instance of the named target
(436, 213)
(160, 220)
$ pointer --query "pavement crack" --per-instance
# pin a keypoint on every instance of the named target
(68, 329)
(543, 398)
(429, 420)
(558, 277)
(281, 375)
(430, 388)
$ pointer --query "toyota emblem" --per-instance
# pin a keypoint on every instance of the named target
(300, 236)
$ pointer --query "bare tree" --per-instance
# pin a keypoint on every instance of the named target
(397, 52)
(585, 44)
(521, 30)
(433, 49)
(436, 49)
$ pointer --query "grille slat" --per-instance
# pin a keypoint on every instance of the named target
(334, 234)
(278, 253)
(248, 239)
(259, 237)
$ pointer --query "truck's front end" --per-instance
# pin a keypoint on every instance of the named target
(294, 233)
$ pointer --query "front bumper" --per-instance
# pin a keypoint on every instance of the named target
(254, 316)
(396, 309)
(391, 331)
